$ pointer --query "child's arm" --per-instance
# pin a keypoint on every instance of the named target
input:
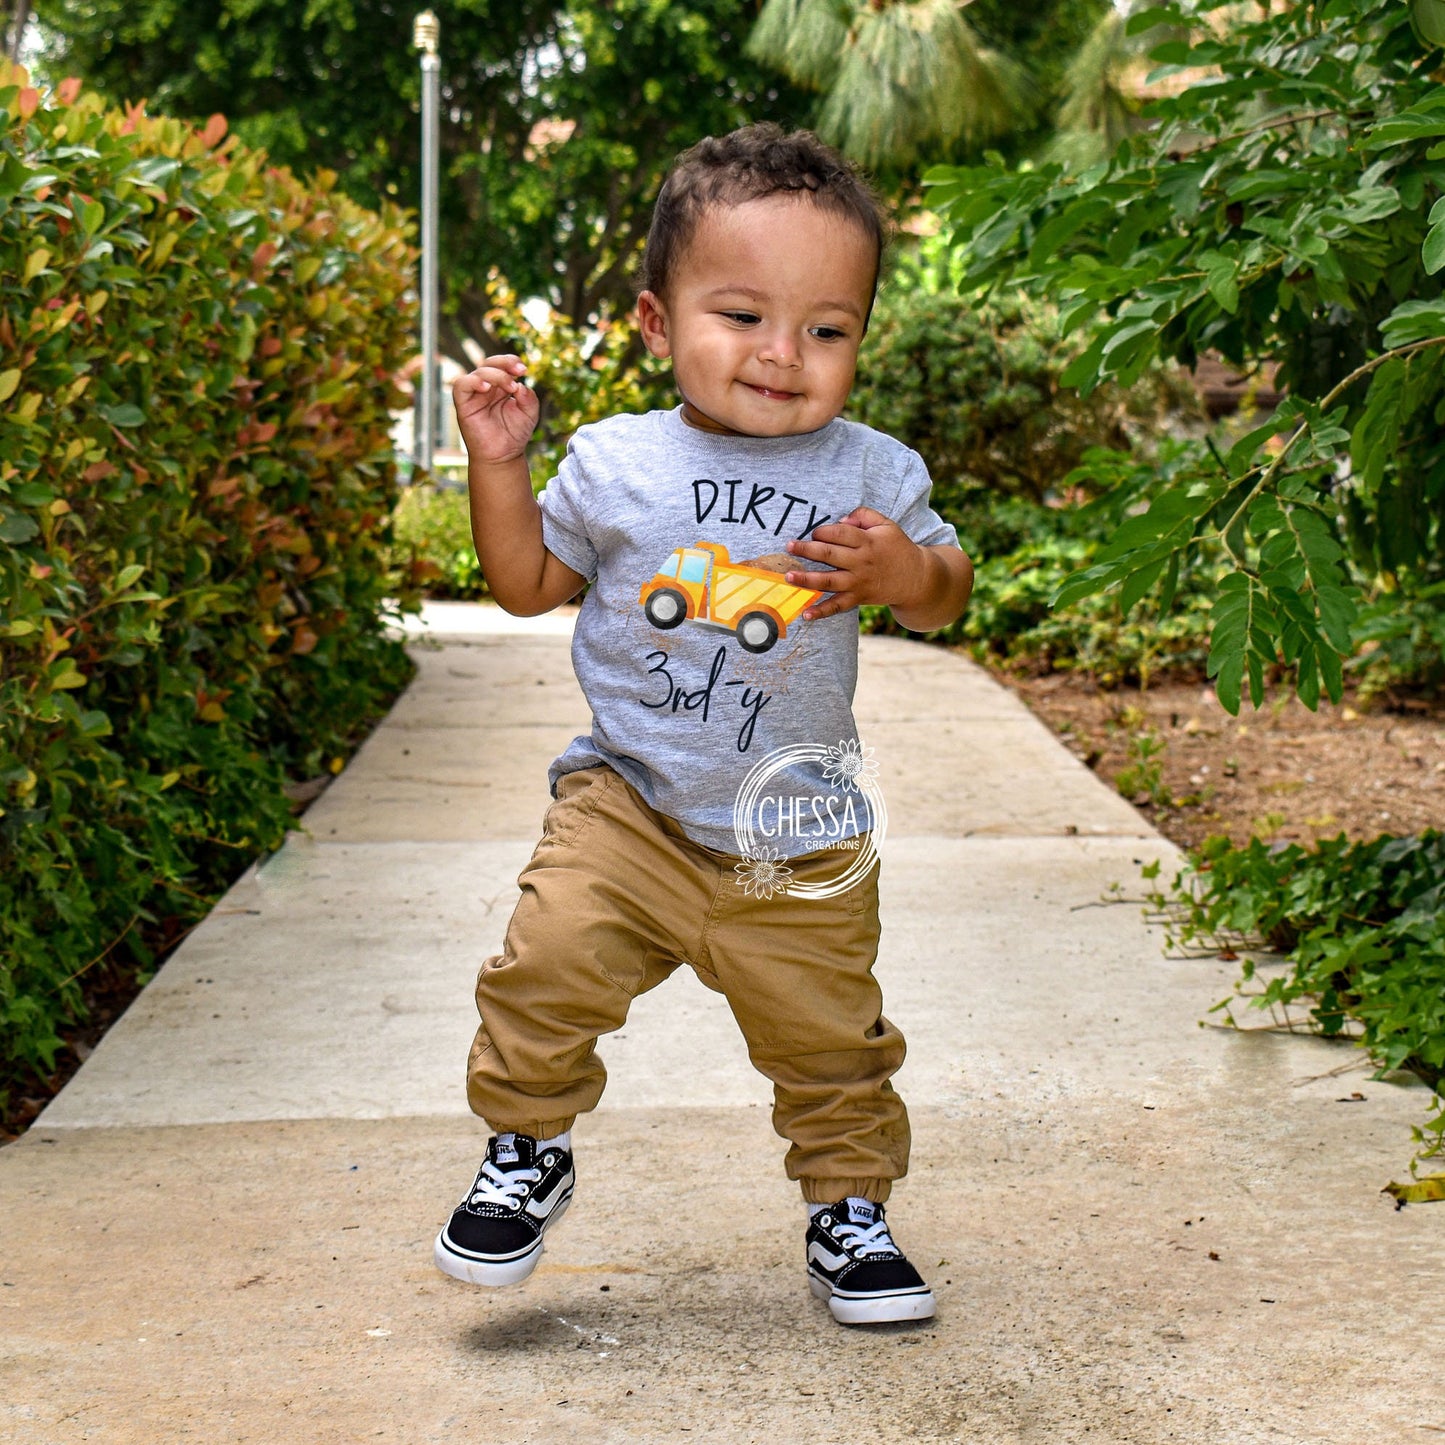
(497, 414)
(877, 562)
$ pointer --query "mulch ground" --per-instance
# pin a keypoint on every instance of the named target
(1281, 773)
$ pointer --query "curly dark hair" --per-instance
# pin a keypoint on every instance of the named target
(747, 165)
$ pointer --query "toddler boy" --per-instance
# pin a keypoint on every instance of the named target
(727, 542)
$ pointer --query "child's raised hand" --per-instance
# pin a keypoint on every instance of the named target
(496, 410)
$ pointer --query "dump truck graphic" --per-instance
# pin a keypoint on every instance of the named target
(700, 584)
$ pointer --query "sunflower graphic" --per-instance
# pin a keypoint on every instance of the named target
(763, 874)
(850, 765)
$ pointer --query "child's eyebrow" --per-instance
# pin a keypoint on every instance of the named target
(719, 293)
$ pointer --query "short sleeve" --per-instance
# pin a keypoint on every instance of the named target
(564, 516)
(912, 511)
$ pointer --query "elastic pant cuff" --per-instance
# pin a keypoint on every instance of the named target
(830, 1191)
(536, 1128)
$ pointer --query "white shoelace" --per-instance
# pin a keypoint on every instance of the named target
(496, 1186)
(872, 1243)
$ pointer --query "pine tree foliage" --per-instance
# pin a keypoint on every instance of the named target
(897, 77)
(806, 37)
(1098, 111)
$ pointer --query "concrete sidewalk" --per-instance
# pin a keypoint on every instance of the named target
(1137, 1229)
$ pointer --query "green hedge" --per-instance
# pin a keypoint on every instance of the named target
(196, 483)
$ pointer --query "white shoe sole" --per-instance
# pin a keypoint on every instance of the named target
(494, 1274)
(880, 1310)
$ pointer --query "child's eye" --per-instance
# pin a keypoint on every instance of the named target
(829, 333)
(743, 318)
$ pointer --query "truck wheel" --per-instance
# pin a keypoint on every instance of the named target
(666, 608)
(757, 632)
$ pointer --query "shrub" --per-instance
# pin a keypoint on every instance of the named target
(580, 374)
(1022, 552)
(434, 539)
(1402, 629)
(974, 389)
(195, 491)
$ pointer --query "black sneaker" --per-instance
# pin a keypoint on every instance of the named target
(855, 1266)
(495, 1234)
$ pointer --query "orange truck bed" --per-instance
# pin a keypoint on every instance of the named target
(700, 584)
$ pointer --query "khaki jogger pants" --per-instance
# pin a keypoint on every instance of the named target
(614, 898)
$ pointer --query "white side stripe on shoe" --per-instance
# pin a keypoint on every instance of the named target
(818, 1255)
(540, 1208)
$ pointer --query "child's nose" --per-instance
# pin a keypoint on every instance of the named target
(780, 347)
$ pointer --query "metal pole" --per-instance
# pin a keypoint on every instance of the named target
(426, 35)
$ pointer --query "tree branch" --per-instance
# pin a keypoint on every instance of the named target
(17, 28)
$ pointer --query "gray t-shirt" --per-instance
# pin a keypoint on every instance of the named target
(697, 667)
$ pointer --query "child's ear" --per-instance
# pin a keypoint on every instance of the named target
(652, 322)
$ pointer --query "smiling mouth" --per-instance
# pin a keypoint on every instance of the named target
(771, 394)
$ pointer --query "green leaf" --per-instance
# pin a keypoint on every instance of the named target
(1171, 584)
(1432, 253)
(1414, 124)
(1085, 583)
(1370, 203)
(1307, 680)
(1332, 670)
(32, 494)
(1337, 617)
(152, 170)
(128, 576)
(1413, 321)
(1170, 511)
(1377, 433)
(1142, 20)
(1241, 454)
(1227, 679)
(95, 724)
(1083, 371)
(125, 414)
(1138, 583)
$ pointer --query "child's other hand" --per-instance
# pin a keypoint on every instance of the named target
(496, 410)
(876, 561)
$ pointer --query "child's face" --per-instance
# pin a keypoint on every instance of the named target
(763, 317)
